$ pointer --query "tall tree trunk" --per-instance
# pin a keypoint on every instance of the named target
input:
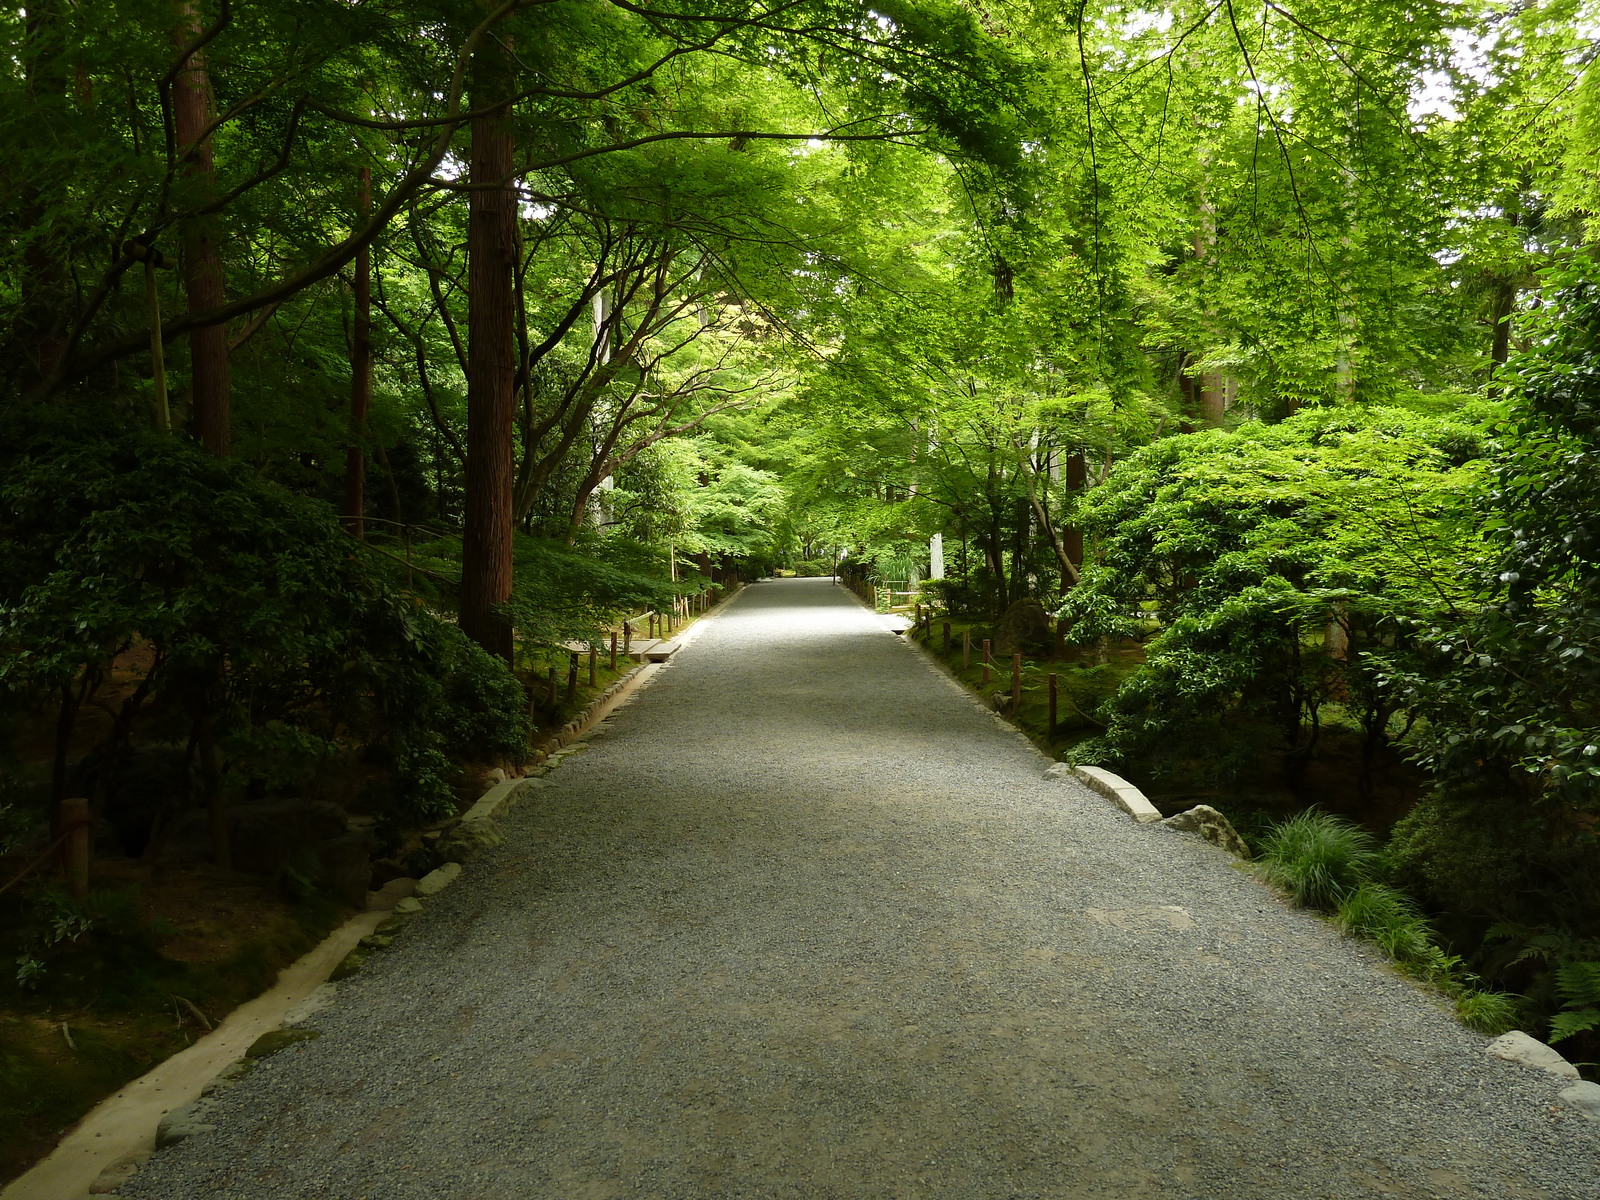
(1072, 537)
(212, 420)
(355, 468)
(486, 551)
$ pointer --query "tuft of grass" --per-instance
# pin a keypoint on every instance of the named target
(1317, 858)
(1390, 920)
(1488, 1013)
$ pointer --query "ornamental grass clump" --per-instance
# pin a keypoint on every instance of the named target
(1390, 920)
(1326, 863)
(1317, 858)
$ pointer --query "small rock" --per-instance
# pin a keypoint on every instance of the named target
(274, 1040)
(470, 839)
(1585, 1097)
(409, 907)
(1518, 1047)
(182, 1123)
(436, 881)
(348, 966)
(375, 941)
(493, 776)
(1207, 823)
(118, 1173)
(1060, 771)
(1025, 626)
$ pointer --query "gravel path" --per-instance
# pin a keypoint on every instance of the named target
(806, 923)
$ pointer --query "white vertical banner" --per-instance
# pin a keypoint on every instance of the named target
(936, 556)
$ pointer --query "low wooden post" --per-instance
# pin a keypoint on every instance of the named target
(75, 854)
(613, 649)
(1016, 682)
(1052, 704)
(987, 659)
(572, 675)
(627, 637)
(966, 649)
(916, 618)
(947, 637)
(594, 663)
(874, 597)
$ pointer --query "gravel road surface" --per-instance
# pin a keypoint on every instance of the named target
(805, 923)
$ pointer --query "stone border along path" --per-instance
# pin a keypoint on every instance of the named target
(799, 924)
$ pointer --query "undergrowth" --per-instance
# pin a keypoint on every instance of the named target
(1329, 864)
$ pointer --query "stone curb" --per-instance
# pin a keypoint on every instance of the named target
(1113, 787)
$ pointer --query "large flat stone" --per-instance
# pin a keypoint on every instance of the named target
(1585, 1097)
(1518, 1047)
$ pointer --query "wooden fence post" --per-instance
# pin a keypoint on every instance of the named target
(966, 649)
(947, 637)
(594, 663)
(987, 659)
(572, 675)
(627, 637)
(1016, 682)
(613, 649)
(75, 854)
(1052, 704)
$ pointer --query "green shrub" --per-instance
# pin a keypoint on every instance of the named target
(246, 615)
(1316, 857)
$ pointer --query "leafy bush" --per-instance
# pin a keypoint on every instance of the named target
(229, 611)
(1317, 858)
(1287, 562)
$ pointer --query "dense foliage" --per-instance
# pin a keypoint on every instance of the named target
(1278, 573)
(360, 361)
(188, 600)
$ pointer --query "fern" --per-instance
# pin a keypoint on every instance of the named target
(1579, 983)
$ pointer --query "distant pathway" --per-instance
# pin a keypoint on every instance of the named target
(806, 923)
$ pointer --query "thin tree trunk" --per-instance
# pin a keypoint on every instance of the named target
(1505, 299)
(486, 557)
(202, 262)
(1059, 539)
(355, 469)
